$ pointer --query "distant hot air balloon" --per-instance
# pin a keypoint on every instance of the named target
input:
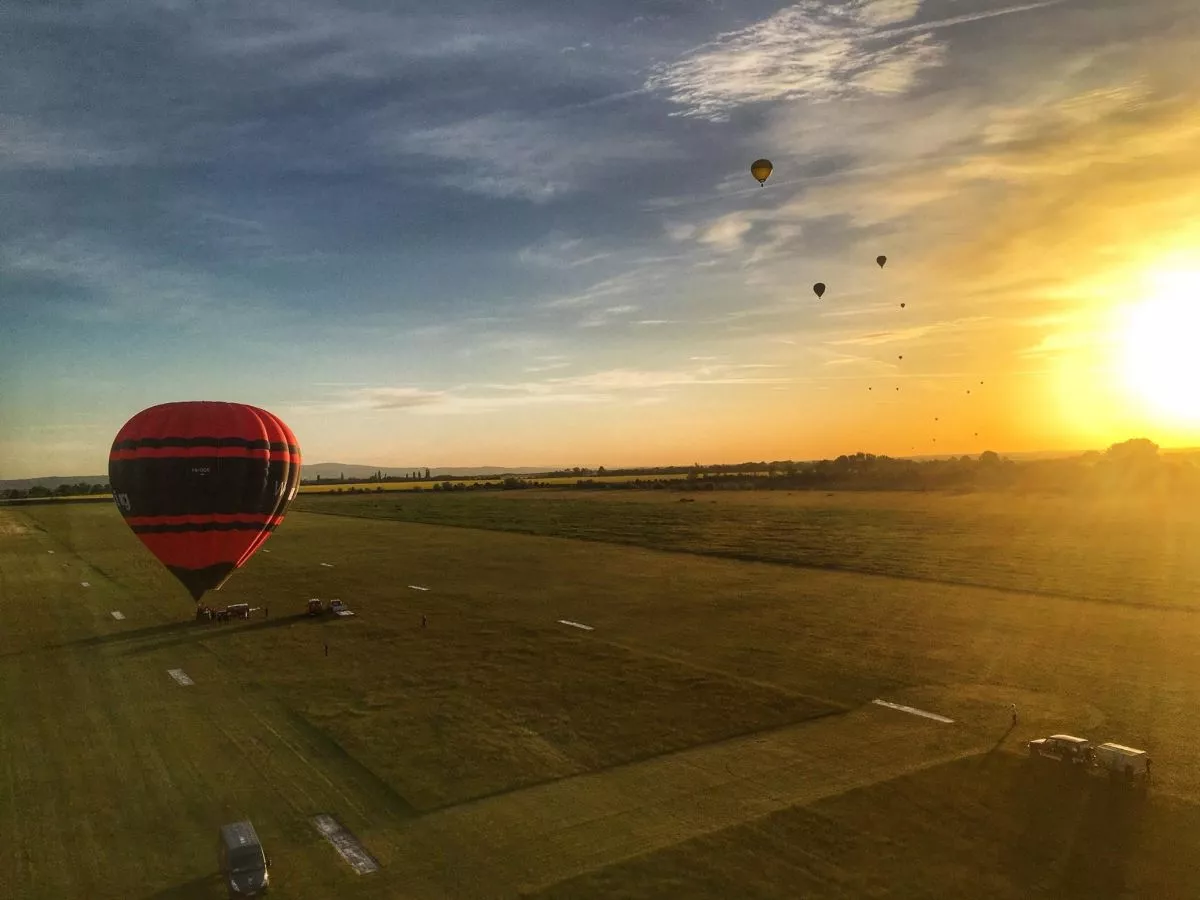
(881, 260)
(761, 169)
(203, 484)
(900, 357)
(819, 289)
(902, 306)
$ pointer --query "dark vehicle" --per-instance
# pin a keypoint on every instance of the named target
(243, 864)
(1064, 748)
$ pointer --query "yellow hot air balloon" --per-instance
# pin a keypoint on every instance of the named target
(761, 169)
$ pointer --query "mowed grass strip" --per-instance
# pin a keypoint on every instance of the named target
(992, 827)
(1138, 551)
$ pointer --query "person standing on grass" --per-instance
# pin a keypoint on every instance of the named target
(1013, 708)
(424, 621)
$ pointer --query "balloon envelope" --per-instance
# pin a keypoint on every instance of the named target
(761, 169)
(882, 260)
(203, 484)
(819, 289)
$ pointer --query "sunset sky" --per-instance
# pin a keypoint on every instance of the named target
(526, 233)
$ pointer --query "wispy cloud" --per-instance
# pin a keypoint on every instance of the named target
(811, 50)
(603, 386)
(511, 156)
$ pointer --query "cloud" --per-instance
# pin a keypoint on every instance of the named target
(555, 251)
(507, 155)
(809, 51)
(26, 144)
(609, 385)
(398, 397)
(726, 233)
(604, 316)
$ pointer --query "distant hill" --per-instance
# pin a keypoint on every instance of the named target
(51, 482)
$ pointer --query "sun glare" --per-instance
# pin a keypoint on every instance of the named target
(1161, 341)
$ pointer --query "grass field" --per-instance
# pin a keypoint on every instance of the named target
(712, 737)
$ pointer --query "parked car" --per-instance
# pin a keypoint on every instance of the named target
(1064, 748)
(244, 865)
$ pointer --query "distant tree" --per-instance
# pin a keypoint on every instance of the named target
(426, 474)
(600, 470)
(39, 491)
(1135, 451)
(989, 458)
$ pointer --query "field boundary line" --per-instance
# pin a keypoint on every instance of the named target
(790, 564)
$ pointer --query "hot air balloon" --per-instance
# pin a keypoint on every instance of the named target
(761, 169)
(902, 306)
(203, 484)
(819, 289)
(881, 260)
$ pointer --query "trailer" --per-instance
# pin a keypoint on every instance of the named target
(1123, 763)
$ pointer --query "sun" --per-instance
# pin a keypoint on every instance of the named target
(1160, 338)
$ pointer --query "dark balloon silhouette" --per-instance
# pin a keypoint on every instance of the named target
(881, 260)
(761, 169)
(203, 485)
(819, 289)
(902, 306)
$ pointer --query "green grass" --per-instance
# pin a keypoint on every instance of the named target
(694, 744)
(1145, 554)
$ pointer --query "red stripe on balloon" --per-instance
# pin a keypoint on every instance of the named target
(198, 551)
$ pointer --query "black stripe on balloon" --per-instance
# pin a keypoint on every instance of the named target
(202, 485)
(246, 443)
(197, 581)
(196, 527)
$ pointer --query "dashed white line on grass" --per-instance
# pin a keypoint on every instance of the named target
(180, 676)
(576, 625)
(327, 565)
(913, 711)
(117, 614)
(346, 844)
(85, 584)
(417, 587)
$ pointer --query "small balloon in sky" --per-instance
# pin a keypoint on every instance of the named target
(761, 169)
(902, 306)
(819, 289)
(881, 260)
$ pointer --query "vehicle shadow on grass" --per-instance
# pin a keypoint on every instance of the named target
(203, 888)
(1077, 833)
(206, 631)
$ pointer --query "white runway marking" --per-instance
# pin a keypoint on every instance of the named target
(51, 552)
(117, 614)
(346, 844)
(84, 584)
(327, 565)
(576, 625)
(180, 676)
(913, 711)
(417, 587)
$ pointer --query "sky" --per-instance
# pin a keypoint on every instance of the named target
(527, 235)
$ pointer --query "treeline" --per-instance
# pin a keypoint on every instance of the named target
(1133, 466)
(63, 490)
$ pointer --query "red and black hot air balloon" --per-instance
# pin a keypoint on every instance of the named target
(203, 484)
